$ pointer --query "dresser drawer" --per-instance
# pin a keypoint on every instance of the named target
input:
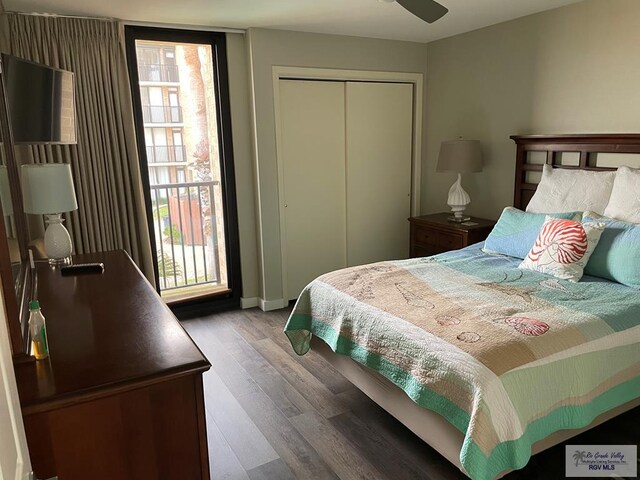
(425, 236)
(433, 234)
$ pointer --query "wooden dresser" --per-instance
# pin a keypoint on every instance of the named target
(433, 234)
(121, 394)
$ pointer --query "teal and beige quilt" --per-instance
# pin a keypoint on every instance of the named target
(508, 356)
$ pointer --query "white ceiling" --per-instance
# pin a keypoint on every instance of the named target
(363, 18)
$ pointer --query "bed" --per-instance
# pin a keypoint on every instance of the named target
(517, 361)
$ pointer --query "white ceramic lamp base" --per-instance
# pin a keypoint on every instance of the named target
(458, 200)
(57, 241)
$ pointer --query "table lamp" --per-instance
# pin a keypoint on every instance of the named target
(47, 189)
(460, 156)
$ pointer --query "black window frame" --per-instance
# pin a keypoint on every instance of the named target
(230, 298)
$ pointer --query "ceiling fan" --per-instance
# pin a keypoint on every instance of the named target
(427, 10)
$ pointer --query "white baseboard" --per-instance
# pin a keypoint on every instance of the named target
(248, 302)
(267, 305)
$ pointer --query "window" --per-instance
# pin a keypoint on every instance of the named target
(190, 190)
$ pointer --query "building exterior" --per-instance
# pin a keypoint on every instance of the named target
(162, 114)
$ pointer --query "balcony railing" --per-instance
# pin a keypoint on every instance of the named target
(156, 72)
(166, 154)
(161, 114)
(186, 232)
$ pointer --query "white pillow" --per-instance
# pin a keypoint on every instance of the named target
(624, 203)
(567, 190)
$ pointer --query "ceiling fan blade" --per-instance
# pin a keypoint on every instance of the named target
(427, 10)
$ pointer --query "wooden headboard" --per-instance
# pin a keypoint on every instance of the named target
(584, 146)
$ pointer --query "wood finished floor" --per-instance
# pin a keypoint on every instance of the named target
(272, 415)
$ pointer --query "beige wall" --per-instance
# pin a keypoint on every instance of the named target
(245, 183)
(571, 70)
(574, 69)
(267, 48)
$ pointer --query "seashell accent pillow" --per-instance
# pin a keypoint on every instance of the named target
(563, 248)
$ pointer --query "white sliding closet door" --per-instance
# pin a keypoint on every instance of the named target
(312, 142)
(379, 119)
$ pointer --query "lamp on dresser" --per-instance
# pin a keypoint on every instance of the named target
(47, 189)
(459, 156)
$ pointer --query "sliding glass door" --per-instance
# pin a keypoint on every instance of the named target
(181, 99)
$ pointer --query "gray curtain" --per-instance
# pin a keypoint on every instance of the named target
(111, 210)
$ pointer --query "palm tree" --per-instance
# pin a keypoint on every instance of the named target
(198, 130)
(579, 456)
(167, 266)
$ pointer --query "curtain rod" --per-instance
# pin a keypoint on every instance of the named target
(179, 26)
(39, 14)
(182, 26)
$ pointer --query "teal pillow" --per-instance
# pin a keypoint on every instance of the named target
(516, 231)
(617, 256)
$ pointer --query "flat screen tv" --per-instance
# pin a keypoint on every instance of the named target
(40, 101)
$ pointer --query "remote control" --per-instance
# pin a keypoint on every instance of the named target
(79, 268)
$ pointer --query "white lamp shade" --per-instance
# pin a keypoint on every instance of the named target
(461, 156)
(48, 188)
(5, 192)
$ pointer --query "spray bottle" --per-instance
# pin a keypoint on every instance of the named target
(38, 331)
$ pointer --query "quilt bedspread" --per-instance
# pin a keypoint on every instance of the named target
(507, 356)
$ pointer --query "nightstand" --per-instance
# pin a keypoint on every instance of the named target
(433, 234)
